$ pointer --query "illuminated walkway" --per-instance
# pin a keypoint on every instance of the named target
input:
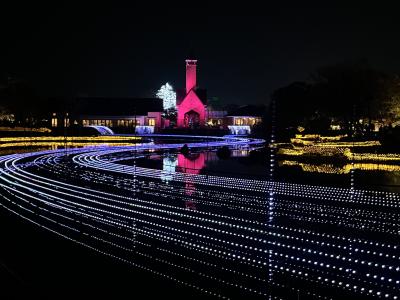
(223, 236)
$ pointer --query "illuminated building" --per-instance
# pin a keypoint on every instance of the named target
(145, 115)
(193, 111)
(191, 102)
(123, 114)
(244, 118)
(216, 118)
(238, 121)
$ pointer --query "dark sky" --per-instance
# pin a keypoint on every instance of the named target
(121, 50)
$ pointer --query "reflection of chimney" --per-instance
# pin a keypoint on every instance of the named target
(190, 74)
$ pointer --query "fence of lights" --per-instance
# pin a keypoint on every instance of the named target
(328, 143)
(56, 145)
(339, 152)
(25, 129)
(109, 138)
(318, 137)
(334, 169)
(337, 241)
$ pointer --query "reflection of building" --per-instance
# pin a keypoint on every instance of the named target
(190, 164)
(116, 112)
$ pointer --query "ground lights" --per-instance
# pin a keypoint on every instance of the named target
(218, 243)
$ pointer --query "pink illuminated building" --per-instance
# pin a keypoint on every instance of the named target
(147, 115)
(192, 102)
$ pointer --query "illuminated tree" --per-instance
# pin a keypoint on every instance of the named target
(390, 107)
(168, 95)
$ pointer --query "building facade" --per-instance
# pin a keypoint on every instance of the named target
(145, 115)
(120, 114)
(191, 103)
(192, 110)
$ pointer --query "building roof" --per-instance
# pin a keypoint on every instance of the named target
(181, 94)
(248, 110)
(103, 106)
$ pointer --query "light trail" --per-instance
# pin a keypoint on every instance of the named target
(316, 240)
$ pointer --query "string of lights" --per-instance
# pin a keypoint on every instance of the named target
(316, 239)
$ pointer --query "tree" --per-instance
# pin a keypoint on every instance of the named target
(6, 117)
(349, 90)
(214, 103)
(345, 93)
(390, 106)
(20, 99)
(292, 105)
(170, 114)
(167, 94)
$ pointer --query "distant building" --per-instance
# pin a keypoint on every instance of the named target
(144, 115)
(215, 118)
(243, 119)
(193, 111)
(116, 113)
(119, 112)
(192, 102)
(245, 115)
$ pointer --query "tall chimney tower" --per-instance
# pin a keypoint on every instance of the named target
(190, 74)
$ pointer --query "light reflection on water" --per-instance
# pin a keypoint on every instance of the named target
(302, 239)
(366, 175)
(42, 146)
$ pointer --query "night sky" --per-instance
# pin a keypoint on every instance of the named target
(120, 50)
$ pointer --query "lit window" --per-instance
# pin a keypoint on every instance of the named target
(151, 122)
(239, 121)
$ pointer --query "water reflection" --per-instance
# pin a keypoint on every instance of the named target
(197, 162)
(26, 147)
(192, 163)
(366, 175)
(169, 164)
(232, 238)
